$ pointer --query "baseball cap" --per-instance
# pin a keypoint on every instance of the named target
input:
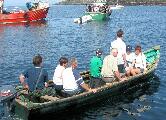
(128, 48)
(99, 51)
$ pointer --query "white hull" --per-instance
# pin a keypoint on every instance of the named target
(116, 7)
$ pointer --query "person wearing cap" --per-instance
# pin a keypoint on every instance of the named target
(139, 61)
(109, 69)
(95, 69)
(129, 60)
(120, 45)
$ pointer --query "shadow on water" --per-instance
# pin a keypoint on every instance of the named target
(121, 102)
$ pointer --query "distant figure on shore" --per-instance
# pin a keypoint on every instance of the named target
(1, 6)
(36, 77)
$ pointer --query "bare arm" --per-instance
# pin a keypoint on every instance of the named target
(117, 75)
(86, 87)
(22, 81)
(22, 78)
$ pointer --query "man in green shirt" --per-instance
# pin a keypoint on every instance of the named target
(95, 69)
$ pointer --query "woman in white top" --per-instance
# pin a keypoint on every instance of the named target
(57, 78)
(139, 62)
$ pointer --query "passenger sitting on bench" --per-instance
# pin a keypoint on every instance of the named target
(109, 69)
(57, 78)
(139, 61)
(72, 81)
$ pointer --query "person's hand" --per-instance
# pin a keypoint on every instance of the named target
(93, 90)
(123, 79)
(46, 84)
(25, 87)
(21, 78)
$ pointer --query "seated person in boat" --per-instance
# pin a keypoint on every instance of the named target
(109, 69)
(37, 76)
(57, 78)
(72, 81)
(95, 70)
(129, 60)
(139, 61)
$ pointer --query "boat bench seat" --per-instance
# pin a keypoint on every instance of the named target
(49, 98)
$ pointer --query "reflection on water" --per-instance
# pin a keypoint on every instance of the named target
(59, 36)
(132, 101)
(27, 24)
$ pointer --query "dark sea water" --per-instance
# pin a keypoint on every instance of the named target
(59, 36)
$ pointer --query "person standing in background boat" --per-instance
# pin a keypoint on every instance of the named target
(57, 78)
(1, 6)
(109, 69)
(121, 47)
(37, 76)
(139, 61)
(72, 81)
(95, 69)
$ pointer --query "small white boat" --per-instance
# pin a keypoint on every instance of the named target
(116, 7)
(83, 19)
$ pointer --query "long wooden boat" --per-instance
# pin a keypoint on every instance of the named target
(22, 16)
(52, 104)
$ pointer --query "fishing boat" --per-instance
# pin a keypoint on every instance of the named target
(98, 11)
(55, 104)
(36, 11)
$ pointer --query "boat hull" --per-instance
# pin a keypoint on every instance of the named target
(77, 101)
(98, 16)
(20, 17)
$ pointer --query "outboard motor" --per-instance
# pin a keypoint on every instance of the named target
(7, 96)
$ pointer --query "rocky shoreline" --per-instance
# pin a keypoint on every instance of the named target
(84, 2)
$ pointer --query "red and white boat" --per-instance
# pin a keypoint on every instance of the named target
(37, 11)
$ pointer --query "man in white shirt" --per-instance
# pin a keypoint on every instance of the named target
(72, 81)
(121, 47)
(57, 78)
